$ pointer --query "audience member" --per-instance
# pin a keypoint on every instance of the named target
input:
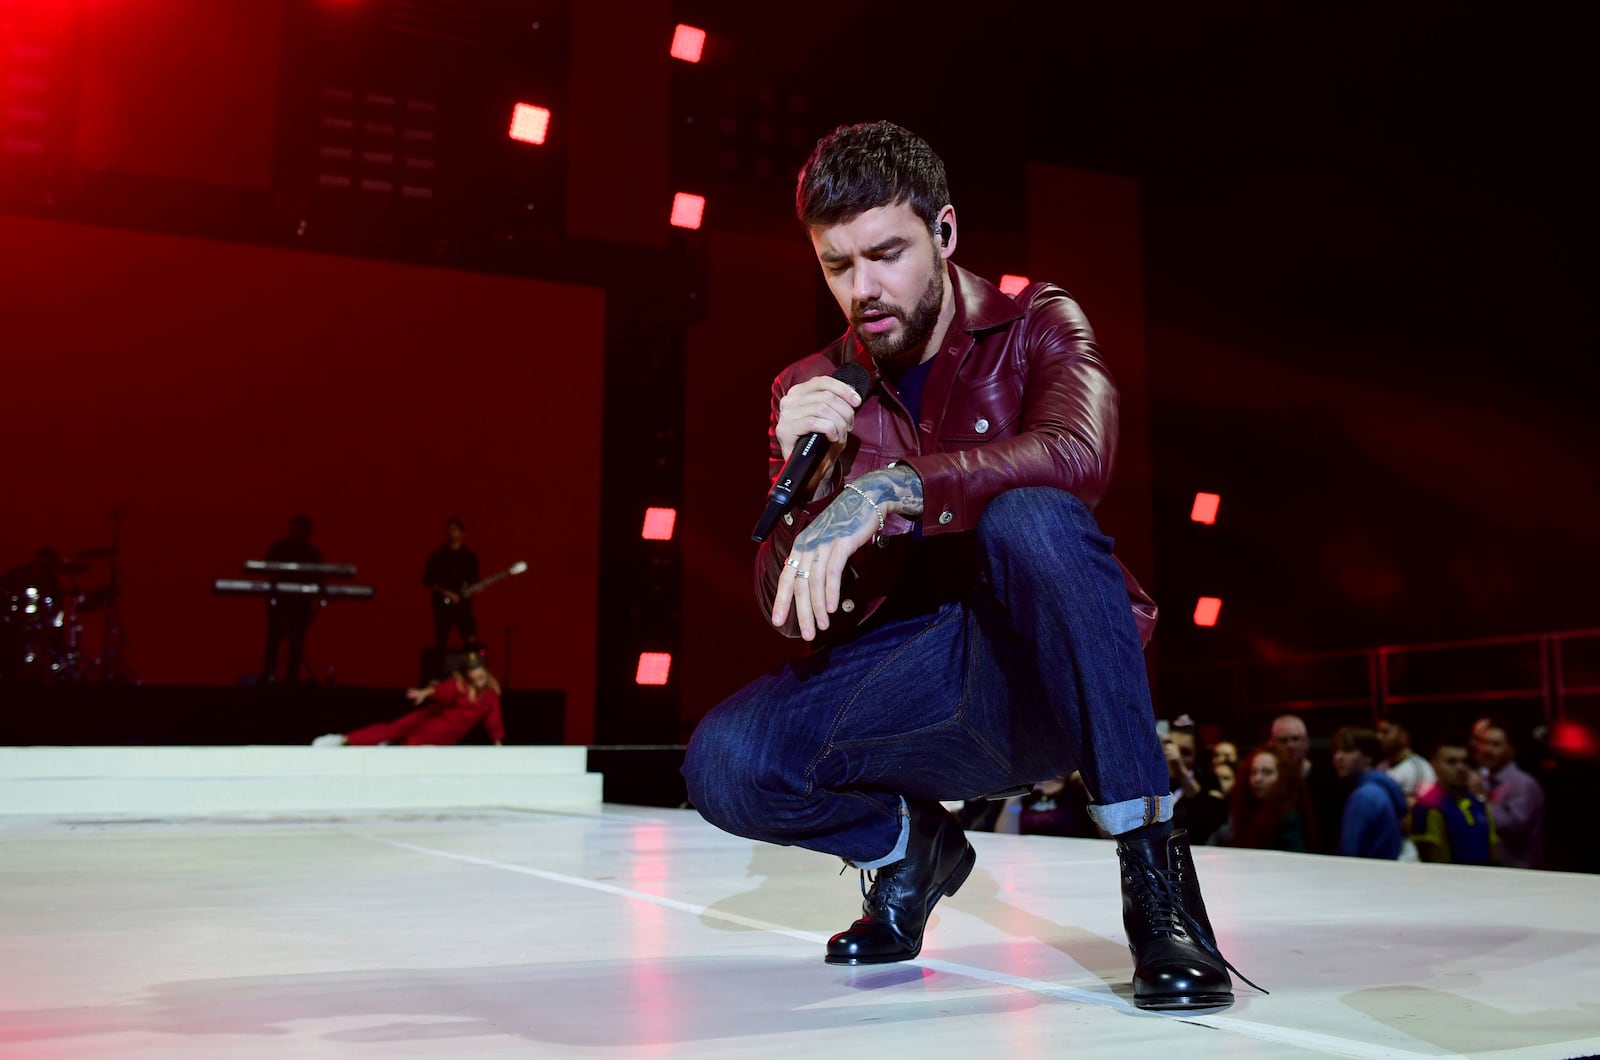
(1189, 769)
(1409, 769)
(1224, 772)
(1059, 806)
(1224, 752)
(1370, 825)
(1516, 801)
(1450, 822)
(1270, 808)
(1326, 791)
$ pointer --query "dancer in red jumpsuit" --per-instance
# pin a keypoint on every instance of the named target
(448, 710)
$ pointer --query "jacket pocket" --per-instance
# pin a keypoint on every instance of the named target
(982, 415)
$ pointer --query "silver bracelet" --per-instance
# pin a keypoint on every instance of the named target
(853, 488)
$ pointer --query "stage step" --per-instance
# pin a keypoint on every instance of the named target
(207, 780)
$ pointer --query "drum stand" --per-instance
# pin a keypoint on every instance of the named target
(112, 665)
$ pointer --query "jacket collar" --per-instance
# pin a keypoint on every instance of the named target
(980, 305)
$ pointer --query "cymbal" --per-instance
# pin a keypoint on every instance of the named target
(95, 553)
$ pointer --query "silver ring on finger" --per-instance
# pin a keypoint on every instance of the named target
(798, 573)
(792, 562)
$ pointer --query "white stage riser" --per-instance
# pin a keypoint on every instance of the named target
(274, 761)
(189, 796)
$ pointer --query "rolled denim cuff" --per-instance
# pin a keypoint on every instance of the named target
(1119, 817)
(899, 850)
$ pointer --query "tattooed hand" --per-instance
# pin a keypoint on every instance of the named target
(824, 548)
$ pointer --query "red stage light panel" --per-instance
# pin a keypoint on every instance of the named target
(653, 668)
(658, 523)
(1010, 284)
(1205, 508)
(687, 43)
(1206, 611)
(688, 209)
(529, 123)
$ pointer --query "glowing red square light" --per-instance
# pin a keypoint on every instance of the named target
(1010, 284)
(687, 43)
(653, 668)
(688, 209)
(658, 523)
(1206, 610)
(529, 123)
(1205, 508)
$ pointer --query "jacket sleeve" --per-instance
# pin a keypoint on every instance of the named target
(775, 549)
(493, 722)
(1514, 807)
(1068, 433)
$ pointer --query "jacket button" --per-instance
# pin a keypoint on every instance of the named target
(847, 606)
(982, 426)
(788, 518)
(945, 518)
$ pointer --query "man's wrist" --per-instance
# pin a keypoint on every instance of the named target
(898, 488)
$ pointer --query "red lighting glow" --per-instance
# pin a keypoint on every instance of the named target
(688, 209)
(653, 668)
(529, 123)
(1205, 508)
(1010, 284)
(1207, 610)
(658, 523)
(687, 43)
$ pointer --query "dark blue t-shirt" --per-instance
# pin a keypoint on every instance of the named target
(910, 388)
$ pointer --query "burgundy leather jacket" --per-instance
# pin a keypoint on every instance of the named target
(1019, 396)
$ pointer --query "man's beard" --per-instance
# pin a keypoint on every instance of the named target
(897, 352)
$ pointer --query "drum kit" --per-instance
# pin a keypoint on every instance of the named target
(42, 613)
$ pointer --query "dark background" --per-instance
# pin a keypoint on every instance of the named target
(1365, 239)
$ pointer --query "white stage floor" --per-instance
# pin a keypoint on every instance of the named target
(649, 933)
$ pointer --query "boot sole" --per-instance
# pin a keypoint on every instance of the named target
(1184, 1001)
(952, 883)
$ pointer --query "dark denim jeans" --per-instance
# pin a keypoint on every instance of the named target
(1037, 672)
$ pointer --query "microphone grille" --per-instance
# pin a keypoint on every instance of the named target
(855, 377)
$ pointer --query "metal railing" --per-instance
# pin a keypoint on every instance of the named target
(1531, 667)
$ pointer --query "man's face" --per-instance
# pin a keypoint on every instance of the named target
(1391, 738)
(1184, 742)
(478, 677)
(1290, 734)
(888, 277)
(1494, 750)
(455, 535)
(1351, 763)
(1451, 766)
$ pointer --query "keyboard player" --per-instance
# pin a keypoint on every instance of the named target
(289, 617)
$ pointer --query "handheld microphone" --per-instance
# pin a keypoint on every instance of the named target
(803, 459)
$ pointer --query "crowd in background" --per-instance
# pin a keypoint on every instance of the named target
(1460, 799)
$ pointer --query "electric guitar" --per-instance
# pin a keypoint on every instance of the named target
(478, 586)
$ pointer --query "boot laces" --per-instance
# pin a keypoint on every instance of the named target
(868, 876)
(1163, 905)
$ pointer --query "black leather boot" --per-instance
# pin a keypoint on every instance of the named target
(1176, 963)
(937, 862)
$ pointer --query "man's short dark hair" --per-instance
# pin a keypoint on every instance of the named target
(457, 523)
(1355, 738)
(857, 168)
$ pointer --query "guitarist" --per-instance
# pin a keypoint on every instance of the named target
(450, 569)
